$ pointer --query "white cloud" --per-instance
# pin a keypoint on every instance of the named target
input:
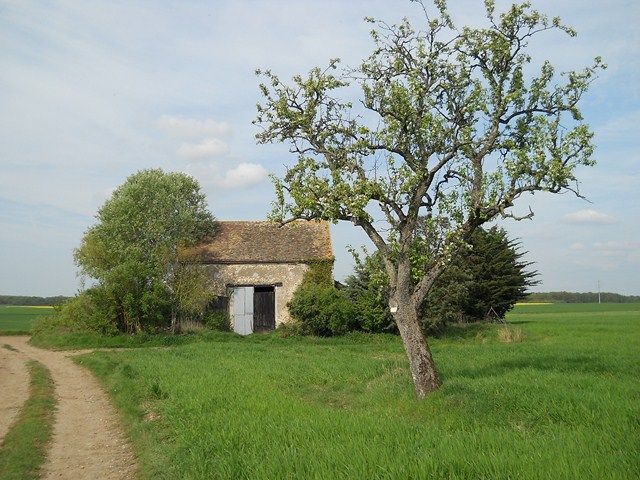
(577, 247)
(590, 217)
(184, 127)
(243, 176)
(207, 148)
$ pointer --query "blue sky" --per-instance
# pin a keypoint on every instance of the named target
(91, 92)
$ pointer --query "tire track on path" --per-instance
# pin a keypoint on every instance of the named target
(14, 387)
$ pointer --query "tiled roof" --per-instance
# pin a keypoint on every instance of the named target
(267, 242)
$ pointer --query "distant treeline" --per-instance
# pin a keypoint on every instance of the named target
(574, 297)
(31, 301)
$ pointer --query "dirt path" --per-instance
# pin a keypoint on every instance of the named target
(88, 443)
(14, 386)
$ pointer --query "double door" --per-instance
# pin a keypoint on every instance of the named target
(254, 309)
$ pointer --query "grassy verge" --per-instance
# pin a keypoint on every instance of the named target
(560, 401)
(73, 341)
(23, 449)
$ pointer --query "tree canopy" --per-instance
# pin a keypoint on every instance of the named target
(450, 129)
(133, 250)
(146, 218)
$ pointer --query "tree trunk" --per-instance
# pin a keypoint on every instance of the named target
(423, 370)
(175, 324)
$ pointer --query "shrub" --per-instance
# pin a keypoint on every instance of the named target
(78, 314)
(52, 323)
(133, 299)
(368, 289)
(323, 311)
(372, 316)
(217, 320)
(290, 329)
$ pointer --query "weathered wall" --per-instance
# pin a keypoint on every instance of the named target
(290, 275)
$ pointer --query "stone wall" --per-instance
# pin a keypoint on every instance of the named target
(288, 274)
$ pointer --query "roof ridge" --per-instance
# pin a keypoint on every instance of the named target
(299, 220)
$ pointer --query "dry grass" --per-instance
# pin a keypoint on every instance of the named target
(481, 337)
(508, 334)
(189, 326)
(150, 414)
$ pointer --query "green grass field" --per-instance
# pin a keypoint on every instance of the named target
(564, 403)
(20, 319)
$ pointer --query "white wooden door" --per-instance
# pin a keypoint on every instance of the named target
(243, 310)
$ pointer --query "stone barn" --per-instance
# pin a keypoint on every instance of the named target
(256, 266)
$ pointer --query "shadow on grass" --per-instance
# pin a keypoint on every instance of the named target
(548, 363)
(464, 331)
(78, 340)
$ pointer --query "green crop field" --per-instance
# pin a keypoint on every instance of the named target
(563, 402)
(20, 319)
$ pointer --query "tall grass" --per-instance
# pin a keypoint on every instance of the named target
(562, 404)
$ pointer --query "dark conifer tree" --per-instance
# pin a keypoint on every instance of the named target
(482, 282)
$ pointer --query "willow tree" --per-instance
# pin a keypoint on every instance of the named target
(452, 126)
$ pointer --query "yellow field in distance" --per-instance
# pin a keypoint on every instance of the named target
(534, 303)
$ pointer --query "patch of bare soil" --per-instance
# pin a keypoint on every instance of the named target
(88, 443)
(14, 386)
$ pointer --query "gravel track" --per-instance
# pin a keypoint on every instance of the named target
(88, 442)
